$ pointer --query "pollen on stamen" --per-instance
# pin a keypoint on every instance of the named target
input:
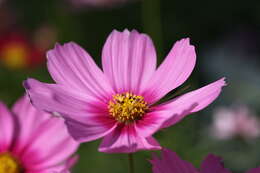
(9, 164)
(127, 107)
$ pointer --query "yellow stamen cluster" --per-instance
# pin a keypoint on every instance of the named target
(8, 164)
(127, 107)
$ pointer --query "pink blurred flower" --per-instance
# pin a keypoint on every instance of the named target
(32, 141)
(119, 103)
(171, 163)
(236, 121)
(99, 3)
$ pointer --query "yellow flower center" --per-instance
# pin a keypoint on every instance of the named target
(8, 164)
(127, 107)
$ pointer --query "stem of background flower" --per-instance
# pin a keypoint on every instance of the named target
(152, 25)
(131, 163)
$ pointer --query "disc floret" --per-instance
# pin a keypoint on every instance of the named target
(127, 107)
(9, 164)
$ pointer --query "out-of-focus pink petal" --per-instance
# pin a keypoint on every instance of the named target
(175, 69)
(51, 170)
(124, 139)
(54, 169)
(71, 66)
(72, 161)
(45, 141)
(26, 122)
(171, 163)
(62, 168)
(128, 60)
(68, 164)
(213, 164)
(254, 170)
(86, 119)
(191, 102)
(7, 125)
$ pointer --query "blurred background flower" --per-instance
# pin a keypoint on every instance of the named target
(98, 3)
(227, 38)
(237, 121)
(17, 52)
(170, 162)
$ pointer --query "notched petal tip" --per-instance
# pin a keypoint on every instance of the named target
(221, 83)
(57, 44)
(115, 31)
(185, 41)
(26, 85)
(224, 80)
(126, 31)
(129, 32)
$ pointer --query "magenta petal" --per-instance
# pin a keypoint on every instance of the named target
(72, 161)
(213, 164)
(174, 70)
(151, 123)
(65, 168)
(91, 128)
(7, 126)
(86, 119)
(191, 102)
(26, 117)
(128, 60)
(171, 163)
(71, 66)
(124, 139)
(56, 98)
(254, 170)
(43, 140)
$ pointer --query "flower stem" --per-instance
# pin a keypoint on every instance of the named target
(131, 163)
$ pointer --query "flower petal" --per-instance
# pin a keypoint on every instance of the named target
(170, 162)
(27, 121)
(86, 118)
(71, 66)
(191, 102)
(56, 98)
(174, 70)
(128, 60)
(90, 128)
(254, 170)
(124, 139)
(40, 148)
(151, 123)
(65, 168)
(7, 125)
(213, 164)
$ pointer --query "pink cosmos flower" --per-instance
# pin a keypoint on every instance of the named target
(118, 103)
(235, 121)
(32, 141)
(171, 163)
